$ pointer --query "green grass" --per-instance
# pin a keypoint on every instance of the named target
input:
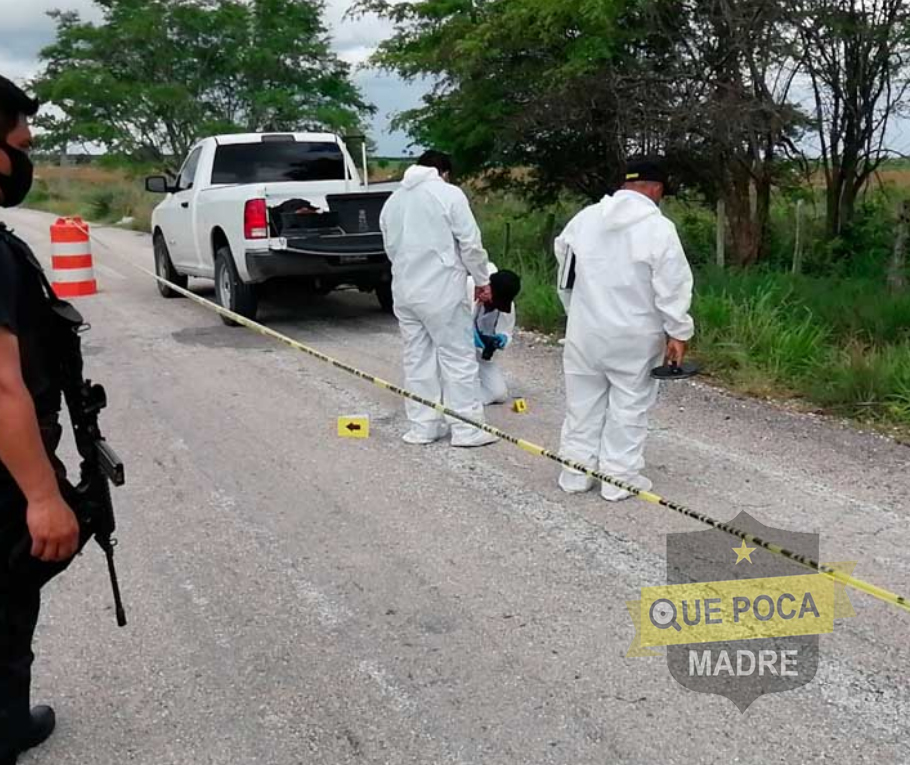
(96, 194)
(759, 332)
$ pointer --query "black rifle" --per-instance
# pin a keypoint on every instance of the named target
(90, 499)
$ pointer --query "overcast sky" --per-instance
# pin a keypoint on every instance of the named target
(27, 29)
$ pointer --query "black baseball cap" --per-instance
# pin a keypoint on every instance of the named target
(505, 286)
(15, 102)
(646, 170)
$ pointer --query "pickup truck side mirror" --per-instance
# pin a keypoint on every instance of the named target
(158, 184)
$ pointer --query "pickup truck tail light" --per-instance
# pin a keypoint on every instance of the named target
(255, 220)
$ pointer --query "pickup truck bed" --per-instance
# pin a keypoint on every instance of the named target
(249, 209)
(341, 241)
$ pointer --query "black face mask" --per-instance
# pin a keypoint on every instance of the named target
(15, 187)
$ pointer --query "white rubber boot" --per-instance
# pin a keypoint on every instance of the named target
(424, 436)
(573, 482)
(615, 494)
(476, 439)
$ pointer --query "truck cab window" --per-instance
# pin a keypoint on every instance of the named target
(188, 173)
(277, 162)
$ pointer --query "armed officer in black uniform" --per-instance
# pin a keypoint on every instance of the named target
(30, 398)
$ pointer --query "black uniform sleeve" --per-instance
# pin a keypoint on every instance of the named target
(9, 288)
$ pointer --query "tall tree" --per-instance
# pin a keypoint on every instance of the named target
(737, 61)
(155, 75)
(567, 90)
(858, 70)
(506, 80)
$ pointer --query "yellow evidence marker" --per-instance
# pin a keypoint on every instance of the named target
(519, 406)
(357, 426)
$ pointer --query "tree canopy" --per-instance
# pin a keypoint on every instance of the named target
(564, 91)
(155, 75)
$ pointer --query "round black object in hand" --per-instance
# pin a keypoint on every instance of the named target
(490, 346)
(685, 371)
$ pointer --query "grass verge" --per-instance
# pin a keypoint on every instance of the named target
(97, 194)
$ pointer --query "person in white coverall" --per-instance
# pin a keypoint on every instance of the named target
(434, 243)
(627, 288)
(494, 325)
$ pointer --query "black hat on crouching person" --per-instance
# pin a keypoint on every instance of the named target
(505, 286)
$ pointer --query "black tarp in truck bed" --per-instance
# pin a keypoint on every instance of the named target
(351, 227)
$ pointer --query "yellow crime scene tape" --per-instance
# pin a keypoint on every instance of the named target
(538, 451)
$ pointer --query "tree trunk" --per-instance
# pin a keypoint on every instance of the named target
(744, 237)
(841, 199)
(763, 214)
(721, 246)
(848, 200)
(798, 244)
(747, 210)
(897, 268)
(833, 206)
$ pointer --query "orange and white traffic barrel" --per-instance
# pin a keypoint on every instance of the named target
(71, 259)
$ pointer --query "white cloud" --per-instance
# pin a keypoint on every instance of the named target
(27, 17)
(355, 38)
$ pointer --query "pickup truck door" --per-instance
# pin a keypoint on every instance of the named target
(177, 215)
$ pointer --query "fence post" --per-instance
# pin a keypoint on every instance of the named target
(798, 246)
(721, 233)
(897, 268)
(549, 233)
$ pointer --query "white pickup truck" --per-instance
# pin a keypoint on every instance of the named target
(249, 208)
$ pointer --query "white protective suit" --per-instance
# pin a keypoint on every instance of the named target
(632, 289)
(434, 243)
(492, 387)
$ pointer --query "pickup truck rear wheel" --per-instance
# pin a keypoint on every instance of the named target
(164, 268)
(233, 293)
(384, 294)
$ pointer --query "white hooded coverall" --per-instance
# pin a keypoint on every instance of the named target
(632, 289)
(492, 387)
(434, 243)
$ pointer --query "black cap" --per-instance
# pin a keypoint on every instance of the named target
(505, 286)
(14, 101)
(646, 170)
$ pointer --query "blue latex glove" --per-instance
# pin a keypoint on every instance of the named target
(478, 341)
(501, 341)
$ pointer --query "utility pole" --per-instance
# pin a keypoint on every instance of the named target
(897, 268)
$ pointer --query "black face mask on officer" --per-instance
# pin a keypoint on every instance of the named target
(15, 186)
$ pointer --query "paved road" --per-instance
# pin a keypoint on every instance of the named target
(298, 598)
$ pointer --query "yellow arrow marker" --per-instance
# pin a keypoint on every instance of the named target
(519, 406)
(354, 427)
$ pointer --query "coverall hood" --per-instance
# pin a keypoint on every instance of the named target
(626, 208)
(416, 175)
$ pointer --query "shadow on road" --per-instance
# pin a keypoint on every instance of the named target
(294, 312)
